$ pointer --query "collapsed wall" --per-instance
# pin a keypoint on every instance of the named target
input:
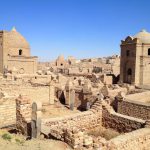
(23, 115)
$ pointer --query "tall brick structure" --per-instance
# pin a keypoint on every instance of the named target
(60, 61)
(15, 53)
(135, 59)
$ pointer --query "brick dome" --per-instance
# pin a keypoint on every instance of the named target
(16, 41)
(143, 36)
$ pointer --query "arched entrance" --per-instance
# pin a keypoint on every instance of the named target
(129, 75)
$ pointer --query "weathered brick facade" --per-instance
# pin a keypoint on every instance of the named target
(15, 53)
(7, 111)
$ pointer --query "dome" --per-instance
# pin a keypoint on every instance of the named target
(60, 57)
(16, 40)
(144, 36)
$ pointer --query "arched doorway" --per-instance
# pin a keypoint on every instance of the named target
(20, 52)
(129, 75)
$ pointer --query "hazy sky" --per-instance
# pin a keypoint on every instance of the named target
(81, 28)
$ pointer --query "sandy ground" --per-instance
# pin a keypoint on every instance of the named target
(18, 142)
(34, 145)
(57, 110)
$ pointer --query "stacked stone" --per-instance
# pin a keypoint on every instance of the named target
(138, 140)
(88, 141)
(97, 107)
(58, 133)
(99, 142)
(74, 138)
(23, 114)
(134, 109)
(85, 120)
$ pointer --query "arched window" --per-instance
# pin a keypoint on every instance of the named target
(127, 53)
(129, 71)
(20, 51)
(149, 51)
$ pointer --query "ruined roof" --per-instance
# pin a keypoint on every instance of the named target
(143, 36)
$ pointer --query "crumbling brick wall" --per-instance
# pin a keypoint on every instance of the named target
(134, 109)
(7, 111)
(23, 115)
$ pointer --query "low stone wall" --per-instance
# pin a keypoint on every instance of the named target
(136, 140)
(119, 122)
(7, 111)
(139, 140)
(77, 139)
(134, 109)
(72, 129)
(83, 121)
(23, 115)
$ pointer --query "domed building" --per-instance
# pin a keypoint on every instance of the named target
(135, 59)
(60, 61)
(15, 52)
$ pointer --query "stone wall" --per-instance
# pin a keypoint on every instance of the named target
(134, 109)
(136, 140)
(7, 111)
(73, 129)
(139, 139)
(83, 121)
(24, 65)
(119, 122)
(77, 139)
(23, 115)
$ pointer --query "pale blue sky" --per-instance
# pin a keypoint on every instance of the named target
(81, 28)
